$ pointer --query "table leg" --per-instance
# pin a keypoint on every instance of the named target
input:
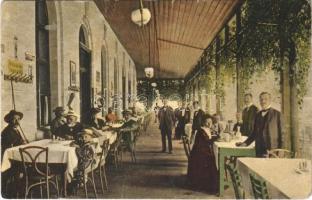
(64, 184)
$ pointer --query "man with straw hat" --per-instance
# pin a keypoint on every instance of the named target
(71, 128)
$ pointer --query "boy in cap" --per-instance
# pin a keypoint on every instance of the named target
(85, 153)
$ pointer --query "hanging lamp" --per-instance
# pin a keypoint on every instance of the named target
(141, 16)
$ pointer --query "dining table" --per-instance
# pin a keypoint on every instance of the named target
(283, 177)
(226, 149)
(61, 153)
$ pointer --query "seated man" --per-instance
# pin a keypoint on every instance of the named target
(59, 119)
(10, 137)
(239, 122)
(217, 126)
(110, 117)
(127, 129)
(70, 130)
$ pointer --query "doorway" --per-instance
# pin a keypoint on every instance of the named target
(85, 77)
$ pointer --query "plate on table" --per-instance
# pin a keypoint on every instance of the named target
(116, 125)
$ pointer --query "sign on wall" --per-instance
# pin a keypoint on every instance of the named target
(15, 67)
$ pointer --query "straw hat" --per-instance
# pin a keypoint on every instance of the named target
(8, 117)
(86, 132)
(72, 113)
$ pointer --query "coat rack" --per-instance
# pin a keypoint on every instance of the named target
(18, 77)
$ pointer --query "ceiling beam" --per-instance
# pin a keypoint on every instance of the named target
(181, 44)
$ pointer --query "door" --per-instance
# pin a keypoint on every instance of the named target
(85, 83)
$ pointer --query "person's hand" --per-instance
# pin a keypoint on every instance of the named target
(241, 144)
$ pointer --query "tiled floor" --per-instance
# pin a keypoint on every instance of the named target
(155, 175)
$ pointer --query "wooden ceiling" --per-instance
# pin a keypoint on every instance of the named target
(176, 35)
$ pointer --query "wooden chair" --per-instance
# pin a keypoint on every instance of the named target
(280, 153)
(88, 169)
(186, 145)
(236, 181)
(114, 150)
(35, 173)
(101, 165)
(259, 187)
(130, 144)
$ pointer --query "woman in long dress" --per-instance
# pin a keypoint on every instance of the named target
(202, 171)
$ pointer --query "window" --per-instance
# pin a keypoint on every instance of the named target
(42, 65)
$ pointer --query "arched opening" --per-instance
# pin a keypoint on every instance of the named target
(85, 76)
(42, 65)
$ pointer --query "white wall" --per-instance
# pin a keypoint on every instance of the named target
(18, 19)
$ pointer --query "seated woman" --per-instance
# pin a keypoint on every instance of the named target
(202, 172)
(71, 128)
(110, 117)
(95, 123)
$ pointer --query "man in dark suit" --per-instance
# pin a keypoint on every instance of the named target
(267, 131)
(11, 135)
(198, 115)
(166, 123)
(59, 119)
(71, 128)
(182, 115)
(249, 114)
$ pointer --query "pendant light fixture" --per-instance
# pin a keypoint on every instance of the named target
(141, 16)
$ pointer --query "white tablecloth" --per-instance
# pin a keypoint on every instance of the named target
(230, 144)
(59, 152)
(279, 174)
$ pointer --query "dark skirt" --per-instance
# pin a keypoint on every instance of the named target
(202, 173)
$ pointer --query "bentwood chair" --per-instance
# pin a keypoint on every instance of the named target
(87, 165)
(130, 145)
(113, 152)
(186, 145)
(102, 162)
(281, 153)
(236, 181)
(259, 187)
(35, 173)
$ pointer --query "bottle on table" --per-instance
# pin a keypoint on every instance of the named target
(238, 133)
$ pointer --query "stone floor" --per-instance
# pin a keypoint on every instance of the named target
(155, 175)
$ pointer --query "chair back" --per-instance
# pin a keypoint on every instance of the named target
(30, 161)
(104, 152)
(114, 147)
(186, 145)
(259, 187)
(280, 153)
(236, 181)
(86, 157)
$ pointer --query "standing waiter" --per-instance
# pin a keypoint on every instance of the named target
(166, 123)
(268, 129)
